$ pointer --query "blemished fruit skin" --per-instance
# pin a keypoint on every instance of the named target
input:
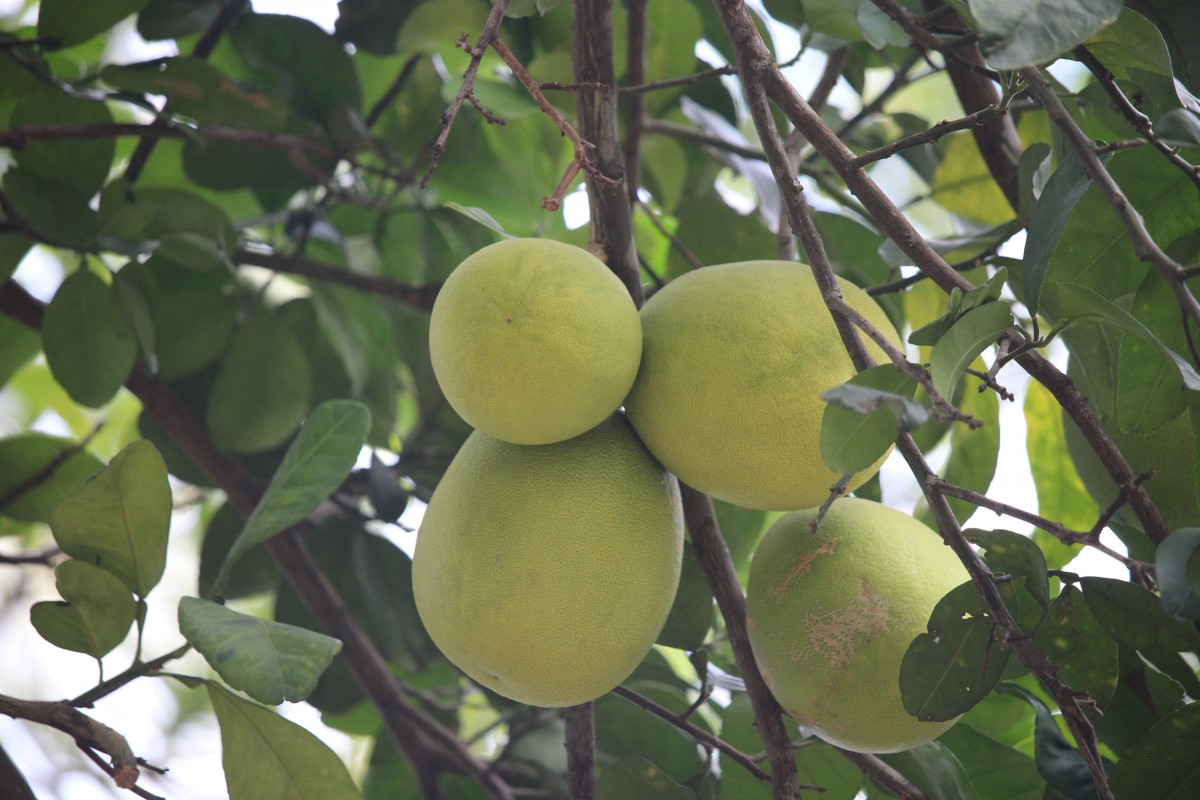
(831, 614)
(546, 572)
(534, 341)
(734, 360)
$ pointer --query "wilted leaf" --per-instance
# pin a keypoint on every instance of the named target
(267, 660)
(119, 520)
(96, 615)
(266, 757)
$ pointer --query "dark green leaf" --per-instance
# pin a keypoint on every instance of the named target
(1084, 654)
(864, 416)
(299, 63)
(1063, 191)
(77, 166)
(1016, 555)
(199, 90)
(132, 221)
(935, 770)
(39, 472)
(68, 22)
(262, 389)
(1149, 391)
(742, 529)
(994, 769)
(172, 19)
(1135, 617)
(1058, 762)
(973, 333)
(192, 325)
(96, 615)
(56, 212)
(1081, 303)
(314, 466)
(1143, 697)
(974, 453)
(1166, 763)
(378, 587)
(267, 757)
(834, 18)
(482, 217)
(1172, 559)
(254, 572)
(635, 778)
(953, 666)
(1131, 41)
(267, 660)
(119, 520)
(691, 614)
(1022, 33)
(1175, 21)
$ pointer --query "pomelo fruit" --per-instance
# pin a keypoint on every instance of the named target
(534, 341)
(831, 614)
(546, 572)
(734, 360)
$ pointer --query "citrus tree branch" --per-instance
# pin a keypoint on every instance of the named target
(416, 296)
(935, 133)
(718, 567)
(581, 750)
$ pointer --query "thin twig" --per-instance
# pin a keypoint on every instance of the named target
(415, 296)
(671, 83)
(381, 105)
(689, 134)
(885, 775)
(678, 246)
(47, 472)
(925, 137)
(695, 731)
(1140, 122)
(837, 490)
(490, 29)
(138, 670)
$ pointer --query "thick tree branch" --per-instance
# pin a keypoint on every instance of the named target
(611, 230)
(714, 558)
(581, 750)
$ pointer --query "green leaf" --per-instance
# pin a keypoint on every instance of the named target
(299, 63)
(128, 221)
(935, 770)
(974, 453)
(623, 731)
(1131, 41)
(56, 212)
(267, 660)
(69, 22)
(1058, 199)
(1081, 303)
(878, 28)
(742, 529)
(1174, 20)
(192, 326)
(994, 769)
(262, 389)
(197, 89)
(173, 19)
(964, 185)
(1084, 654)
(1016, 555)
(96, 615)
(266, 757)
(691, 614)
(314, 466)
(973, 333)
(1166, 763)
(1058, 762)
(952, 666)
(482, 217)
(1144, 696)
(254, 572)
(39, 472)
(836, 18)
(77, 166)
(1135, 617)
(1172, 559)
(635, 778)
(1149, 391)
(864, 416)
(1060, 492)
(119, 520)
(1022, 33)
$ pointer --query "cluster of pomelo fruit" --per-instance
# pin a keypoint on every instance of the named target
(549, 556)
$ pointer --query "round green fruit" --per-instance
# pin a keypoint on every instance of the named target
(832, 613)
(546, 572)
(534, 341)
(734, 361)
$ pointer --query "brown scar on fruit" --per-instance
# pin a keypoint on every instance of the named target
(835, 635)
(802, 566)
